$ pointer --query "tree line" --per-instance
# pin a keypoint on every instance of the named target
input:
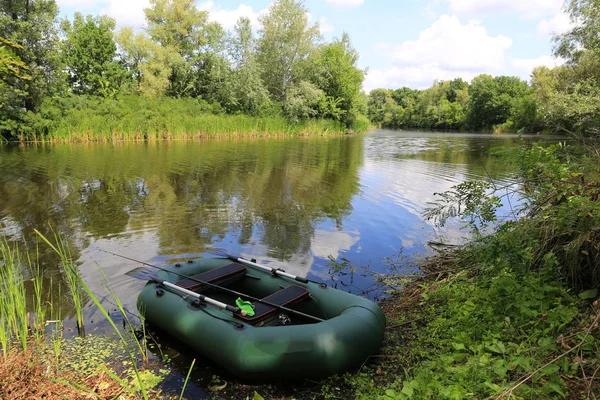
(284, 69)
(502, 102)
(564, 99)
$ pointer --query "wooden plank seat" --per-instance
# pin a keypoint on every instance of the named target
(284, 297)
(219, 276)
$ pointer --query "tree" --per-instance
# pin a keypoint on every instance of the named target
(249, 92)
(383, 110)
(89, 53)
(11, 69)
(286, 41)
(336, 73)
(584, 36)
(32, 24)
(177, 24)
(492, 99)
(181, 30)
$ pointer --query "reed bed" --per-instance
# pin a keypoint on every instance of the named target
(131, 117)
(24, 337)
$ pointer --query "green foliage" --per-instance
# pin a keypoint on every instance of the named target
(284, 48)
(283, 73)
(491, 99)
(500, 103)
(480, 340)
(583, 37)
(336, 73)
(89, 55)
(562, 189)
(31, 25)
(12, 69)
(131, 117)
(249, 93)
(569, 96)
(473, 200)
(383, 110)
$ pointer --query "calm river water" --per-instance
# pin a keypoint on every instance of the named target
(291, 203)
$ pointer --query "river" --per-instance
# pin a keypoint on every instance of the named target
(291, 203)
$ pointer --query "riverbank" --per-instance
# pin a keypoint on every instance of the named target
(129, 117)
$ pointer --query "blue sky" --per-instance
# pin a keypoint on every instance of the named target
(404, 42)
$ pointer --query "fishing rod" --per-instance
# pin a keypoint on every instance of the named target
(217, 287)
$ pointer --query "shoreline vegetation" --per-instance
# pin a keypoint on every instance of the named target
(512, 314)
(133, 118)
(80, 79)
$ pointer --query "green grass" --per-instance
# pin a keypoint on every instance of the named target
(14, 324)
(130, 117)
(19, 327)
(61, 248)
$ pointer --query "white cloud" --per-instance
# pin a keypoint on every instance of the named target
(526, 8)
(560, 23)
(129, 12)
(445, 50)
(420, 77)
(76, 3)
(526, 65)
(451, 45)
(228, 18)
(324, 26)
(346, 3)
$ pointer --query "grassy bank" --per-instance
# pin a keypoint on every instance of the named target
(37, 361)
(86, 118)
(515, 314)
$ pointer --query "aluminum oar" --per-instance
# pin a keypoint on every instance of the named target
(217, 287)
(147, 274)
(273, 271)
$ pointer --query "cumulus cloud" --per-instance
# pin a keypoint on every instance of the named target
(560, 23)
(526, 65)
(420, 77)
(346, 3)
(525, 8)
(451, 45)
(324, 26)
(445, 50)
(228, 18)
(130, 12)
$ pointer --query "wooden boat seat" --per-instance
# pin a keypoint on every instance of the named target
(219, 276)
(284, 297)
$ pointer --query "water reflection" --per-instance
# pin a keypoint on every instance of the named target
(288, 202)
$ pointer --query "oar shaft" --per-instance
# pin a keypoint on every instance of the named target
(220, 287)
(200, 297)
(272, 270)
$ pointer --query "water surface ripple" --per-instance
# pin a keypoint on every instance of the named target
(290, 203)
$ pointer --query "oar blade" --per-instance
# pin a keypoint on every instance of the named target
(222, 253)
(143, 273)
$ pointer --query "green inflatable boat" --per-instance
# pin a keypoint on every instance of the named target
(261, 323)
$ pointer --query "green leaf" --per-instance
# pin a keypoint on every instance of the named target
(588, 294)
(459, 346)
(553, 387)
(258, 396)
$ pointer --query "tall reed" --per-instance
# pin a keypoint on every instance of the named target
(71, 273)
(131, 117)
(14, 319)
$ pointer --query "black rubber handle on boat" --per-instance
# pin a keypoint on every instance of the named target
(235, 310)
(301, 279)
